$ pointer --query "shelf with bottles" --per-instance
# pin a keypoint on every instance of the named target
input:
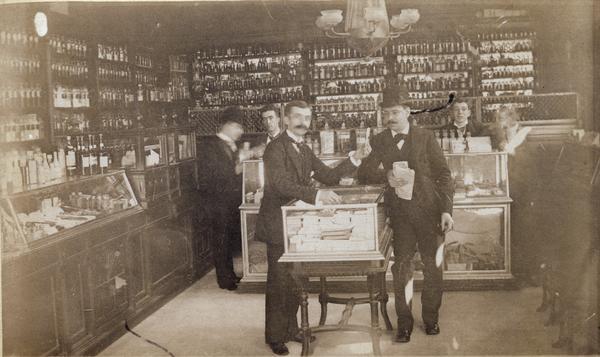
(339, 52)
(112, 53)
(344, 69)
(249, 52)
(428, 83)
(430, 94)
(179, 77)
(20, 128)
(507, 72)
(283, 63)
(373, 94)
(515, 92)
(347, 103)
(417, 47)
(21, 97)
(341, 120)
(18, 67)
(506, 41)
(70, 97)
(507, 84)
(506, 59)
(62, 47)
(18, 43)
(252, 96)
(227, 82)
(348, 86)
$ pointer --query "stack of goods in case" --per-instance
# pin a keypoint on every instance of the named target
(433, 69)
(327, 231)
(345, 86)
(53, 210)
(21, 95)
(69, 71)
(507, 63)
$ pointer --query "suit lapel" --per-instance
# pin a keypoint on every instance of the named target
(415, 146)
(293, 155)
(226, 149)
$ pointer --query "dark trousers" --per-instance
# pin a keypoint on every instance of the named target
(407, 237)
(225, 238)
(282, 300)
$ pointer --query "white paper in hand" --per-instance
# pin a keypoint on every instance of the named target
(517, 140)
(401, 170)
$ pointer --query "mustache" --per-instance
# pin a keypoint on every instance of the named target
(301, 126)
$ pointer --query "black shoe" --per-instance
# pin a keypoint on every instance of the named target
(229, 286)
(279, 348)
(300, 338)
(236, 279)
(432, 329)
(403, 336)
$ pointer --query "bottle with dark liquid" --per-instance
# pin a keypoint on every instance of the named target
(103, 156)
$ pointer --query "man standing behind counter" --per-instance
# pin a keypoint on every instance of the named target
(270, 120)
(419, 221)
(462, 122)
(288, 166)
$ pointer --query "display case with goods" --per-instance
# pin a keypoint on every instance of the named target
(355, 229)
(39, 214)
(23, 88)
(434, 68)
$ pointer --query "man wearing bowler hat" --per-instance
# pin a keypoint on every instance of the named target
(420, 221)
(221, 183)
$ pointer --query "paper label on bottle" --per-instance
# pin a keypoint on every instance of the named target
(327, 143)
(93, 161)
(103, 161)
(85, 161)
(71, 159)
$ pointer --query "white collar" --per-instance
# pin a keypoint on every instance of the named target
(294, 136)
(274, 136)
(460, 127)
(405, 131)
(225, 138)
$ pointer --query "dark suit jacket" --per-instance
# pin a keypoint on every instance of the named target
(218, 181)
(287, 177)
(433, 191)
(476, 128)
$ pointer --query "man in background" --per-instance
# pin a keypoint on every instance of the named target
(222, 188)
(271, 122)
(461, 122)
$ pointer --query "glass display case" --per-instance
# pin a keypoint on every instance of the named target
(37, 214)
(352, 230)
(479, 176)
(154, 150)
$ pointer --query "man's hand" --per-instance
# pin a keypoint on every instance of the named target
(447, 222)
(238, 168)
(361, 153)
(328, 197)
(395, 181)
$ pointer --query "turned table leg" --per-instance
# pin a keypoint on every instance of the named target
(323, 299)
(373, 301)
(304, 321)
(383, 299)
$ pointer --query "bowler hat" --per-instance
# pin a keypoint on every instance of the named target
(231, 114)
(395, 95)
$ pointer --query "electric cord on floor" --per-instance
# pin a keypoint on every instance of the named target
(147, 340)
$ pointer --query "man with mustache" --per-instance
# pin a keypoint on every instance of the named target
(420, 221)
(288, 166)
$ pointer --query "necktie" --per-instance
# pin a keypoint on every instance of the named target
(399, 137)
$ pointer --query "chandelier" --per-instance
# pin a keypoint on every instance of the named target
(367, 28)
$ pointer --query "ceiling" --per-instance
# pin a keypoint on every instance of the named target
(185, 26)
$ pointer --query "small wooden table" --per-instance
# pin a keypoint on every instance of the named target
(374, 270)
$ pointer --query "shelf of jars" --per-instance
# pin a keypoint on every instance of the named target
(347, 86)
(355, 70)
(22, 89)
